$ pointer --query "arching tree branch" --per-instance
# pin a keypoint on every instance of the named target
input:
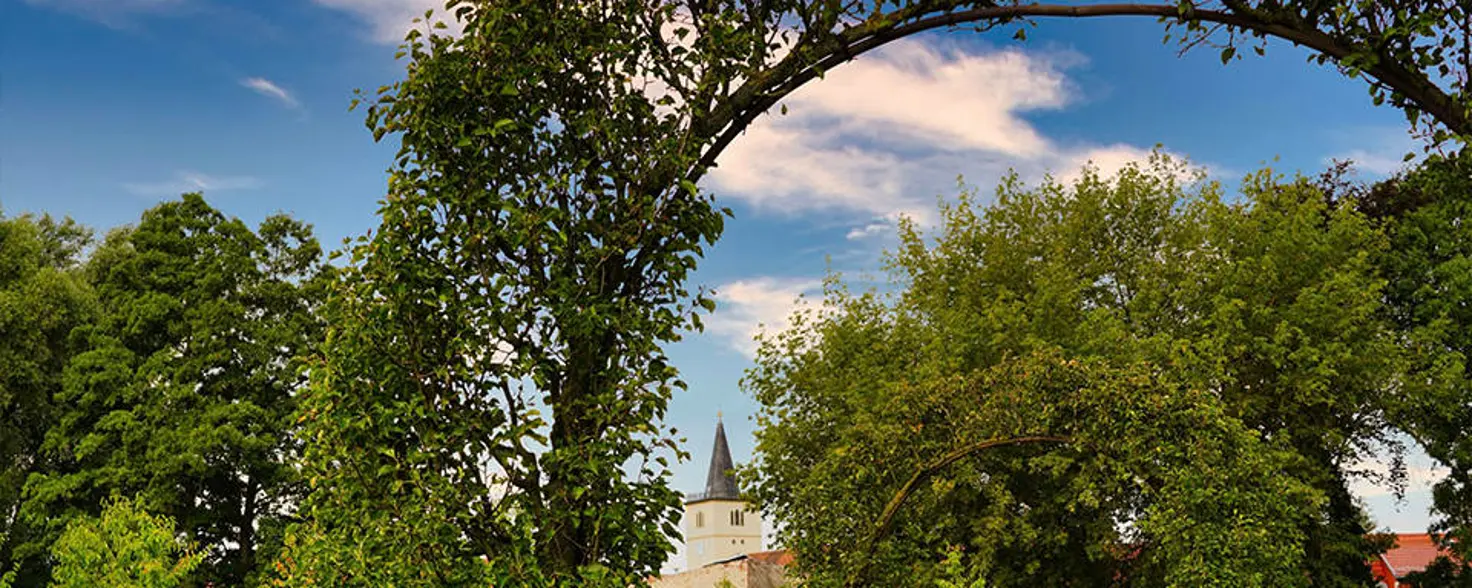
(819, 53)
(886, 519)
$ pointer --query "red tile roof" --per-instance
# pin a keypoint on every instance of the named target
(1412, 553)
(781, 557)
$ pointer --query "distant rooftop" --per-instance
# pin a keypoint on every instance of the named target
(1412, 552)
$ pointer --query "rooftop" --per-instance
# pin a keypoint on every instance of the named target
(1412, 553)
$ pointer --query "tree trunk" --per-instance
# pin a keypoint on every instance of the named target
(246, 560)
(563, 542)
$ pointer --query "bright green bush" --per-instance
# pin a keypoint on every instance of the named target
(126, 548)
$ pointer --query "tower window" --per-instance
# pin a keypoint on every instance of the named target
(699, 519)
(738, 518)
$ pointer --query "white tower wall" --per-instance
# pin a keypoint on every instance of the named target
(715, 531)
(718, 523)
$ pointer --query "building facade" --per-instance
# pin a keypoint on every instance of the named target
(719, 525)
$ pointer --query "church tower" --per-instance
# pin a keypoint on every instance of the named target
(718, 524)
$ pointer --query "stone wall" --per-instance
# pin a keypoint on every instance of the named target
(742, 573)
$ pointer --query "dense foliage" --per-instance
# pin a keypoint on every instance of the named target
(43, 296)
(1254, 324)
(126, 547)
(488, 404)
(496, 352)
(1428, 266)
(494, 381)
(182, 390)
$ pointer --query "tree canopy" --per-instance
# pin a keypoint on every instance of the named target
(494, 383)
(494, 380)
(1110, 373)
(1428, 267)
(1251, 332)
(182, 391)
(43, 296)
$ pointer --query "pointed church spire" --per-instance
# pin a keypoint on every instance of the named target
(719, 483)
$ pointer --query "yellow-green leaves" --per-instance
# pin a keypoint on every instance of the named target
(126, 547)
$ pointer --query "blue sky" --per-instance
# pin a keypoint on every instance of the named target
(109, 106)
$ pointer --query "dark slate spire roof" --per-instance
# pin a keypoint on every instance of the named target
(719, 483)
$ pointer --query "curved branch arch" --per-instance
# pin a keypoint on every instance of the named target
(818, 53)
(886, 519)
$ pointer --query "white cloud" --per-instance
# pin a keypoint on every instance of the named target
(891, 131)
(391, 19)
(1378, 151)
(1421, 474)
(793, 168)
(1109, 160)
(873, 229)
(748, 307)
(1381, 162)
(188, 181)
(874, 135)
(269, 89)
(914, 93)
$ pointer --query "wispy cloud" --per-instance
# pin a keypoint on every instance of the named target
(391, 19)
(886, 135)
(1421, 474)
(873, 229)
(886, 224)
(1379, 163)
(1379, 152)
(746, 308)
(270, 89)
(189, 181)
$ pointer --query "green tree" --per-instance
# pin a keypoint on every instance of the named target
(185, 392)
(1429, 267)
(125, 548)
(1254, 324)
(954, 574)
(43, 297)
(493, 383)
(497, 342)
